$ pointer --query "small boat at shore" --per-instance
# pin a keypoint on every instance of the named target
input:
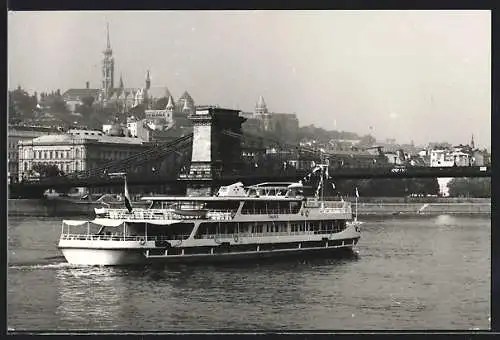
(263, 220)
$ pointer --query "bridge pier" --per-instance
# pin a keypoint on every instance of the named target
(213, 154)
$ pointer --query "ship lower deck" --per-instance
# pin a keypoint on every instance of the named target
(83, 253)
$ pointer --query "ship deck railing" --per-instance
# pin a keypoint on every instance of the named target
(162, 214)
(94, 237)
(266, 234)
(328, 210)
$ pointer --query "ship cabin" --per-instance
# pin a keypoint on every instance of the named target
(277, 209)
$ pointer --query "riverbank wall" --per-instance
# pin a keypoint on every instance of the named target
(379, 209)
(374, 206)
(422, 206)
(49, 207)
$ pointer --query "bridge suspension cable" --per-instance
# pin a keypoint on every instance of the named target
(154, 153)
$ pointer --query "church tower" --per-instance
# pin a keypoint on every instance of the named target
(108, 68)
(261, 107)
(472, 144)
(148, 100)
(262, 113)
(148, 80)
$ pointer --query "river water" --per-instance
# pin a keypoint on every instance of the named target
(409, 273)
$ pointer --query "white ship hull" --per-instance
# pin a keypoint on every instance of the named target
(115, 252)
(102, 257)
(119, 257)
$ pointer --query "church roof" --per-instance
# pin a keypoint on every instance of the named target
(170, 104)
(158, 92)
(89, 135)
(185, 96)
(77, 94)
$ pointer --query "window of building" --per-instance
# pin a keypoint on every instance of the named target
(77, 153)
(25, 166)
(77, 166)
(51, 155)
(45, 155)
(57, 154)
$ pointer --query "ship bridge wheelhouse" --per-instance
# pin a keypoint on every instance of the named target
(271, 207)
(209, 205)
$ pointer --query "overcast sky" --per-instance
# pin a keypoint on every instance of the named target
(411, 75)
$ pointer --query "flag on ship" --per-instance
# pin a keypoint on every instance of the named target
(127, 197)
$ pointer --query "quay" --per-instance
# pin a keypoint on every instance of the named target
(387, 206)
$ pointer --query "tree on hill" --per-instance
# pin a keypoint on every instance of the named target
(21, 104)
(138, 111)
(323, 136)
(87, 107)
(47, 170)
(470, 187)
(367, 141)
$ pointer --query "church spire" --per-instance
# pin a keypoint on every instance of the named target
(121, 83)
(261, 107)
(148, 81)
(170, 106)
(108, 68)
(472, 142)
(108, 45)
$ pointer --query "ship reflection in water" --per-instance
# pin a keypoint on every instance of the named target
(165, 296)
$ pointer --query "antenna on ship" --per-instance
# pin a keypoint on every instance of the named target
(356, 212)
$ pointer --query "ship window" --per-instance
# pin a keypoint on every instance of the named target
(223, 205)
(179, 231)
(210, 229)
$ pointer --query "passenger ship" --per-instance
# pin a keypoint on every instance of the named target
(264, 220)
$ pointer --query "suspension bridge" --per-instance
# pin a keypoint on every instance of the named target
(222, 154)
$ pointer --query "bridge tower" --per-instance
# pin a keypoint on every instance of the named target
(214, 154)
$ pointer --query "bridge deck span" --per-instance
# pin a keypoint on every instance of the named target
(335, 173)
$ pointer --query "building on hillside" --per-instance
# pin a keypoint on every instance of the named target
(398, 157)
(75, 97)
(139, 129)
(121, 98)
(356, 159)
(440, 157)
(286, 123)
(14, 136)
(162, 119)
(343, 144)
(76, 150)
